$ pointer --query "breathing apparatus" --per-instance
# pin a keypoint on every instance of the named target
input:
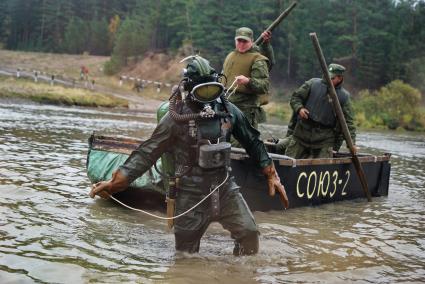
(200, 87)
(200, 82)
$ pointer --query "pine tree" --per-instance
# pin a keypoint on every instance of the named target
(76, 36)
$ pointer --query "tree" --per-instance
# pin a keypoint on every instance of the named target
(131, 41)
(98, 40)
(76, 36)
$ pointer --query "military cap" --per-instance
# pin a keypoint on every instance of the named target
(244, 33)
(335, 70)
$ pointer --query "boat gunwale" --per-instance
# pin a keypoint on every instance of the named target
(125, 145)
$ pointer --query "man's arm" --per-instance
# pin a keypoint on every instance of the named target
(266, 49)
(138, 162)
(142, 159)
(259, 81)
(347, 110)
(249, 138)
(299, 96)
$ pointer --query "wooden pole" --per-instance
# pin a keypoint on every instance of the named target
(276, 22)
(338, 111)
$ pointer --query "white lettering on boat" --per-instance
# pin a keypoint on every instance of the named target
(327, 184)
(303, 174)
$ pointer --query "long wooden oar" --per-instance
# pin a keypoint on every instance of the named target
(276, 22)
(340, 115)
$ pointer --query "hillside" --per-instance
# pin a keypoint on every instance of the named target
(158, 67)
(153, 67)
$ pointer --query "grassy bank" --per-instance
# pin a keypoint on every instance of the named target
(45, 93)
(279, 110)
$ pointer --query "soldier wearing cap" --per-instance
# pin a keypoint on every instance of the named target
(249, 65)
(316, 132)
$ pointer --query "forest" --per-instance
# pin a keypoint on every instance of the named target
(377, 40)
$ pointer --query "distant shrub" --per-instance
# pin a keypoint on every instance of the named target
(112, 67)
(394, 105)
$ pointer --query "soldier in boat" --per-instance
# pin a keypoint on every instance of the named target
(249, 65)
(316, 132)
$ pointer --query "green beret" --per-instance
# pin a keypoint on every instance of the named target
(335, 70)
(244, 33)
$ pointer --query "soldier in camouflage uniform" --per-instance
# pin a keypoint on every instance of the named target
(250, 64)
(194, 123)
(317, 132)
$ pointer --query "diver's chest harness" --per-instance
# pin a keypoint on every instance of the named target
(205, 141)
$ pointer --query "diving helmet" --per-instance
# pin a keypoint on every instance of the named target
(201, 80)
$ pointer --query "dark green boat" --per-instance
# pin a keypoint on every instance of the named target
(307, 181)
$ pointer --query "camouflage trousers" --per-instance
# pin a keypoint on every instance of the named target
(234, 215)
(297, 150)
(282, 144)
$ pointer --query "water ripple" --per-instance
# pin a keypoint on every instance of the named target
(51, 232)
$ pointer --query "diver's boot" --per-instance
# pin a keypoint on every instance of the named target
(248, 245)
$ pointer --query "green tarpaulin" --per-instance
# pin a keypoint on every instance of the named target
(101, 165)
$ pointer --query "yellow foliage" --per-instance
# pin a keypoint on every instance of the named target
(114, 23)
(394, 105)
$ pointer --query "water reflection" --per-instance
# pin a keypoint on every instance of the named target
(51, 232)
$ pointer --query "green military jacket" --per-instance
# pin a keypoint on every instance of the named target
(266, 49)
(313, 135)
(173, 137)
(259, 76)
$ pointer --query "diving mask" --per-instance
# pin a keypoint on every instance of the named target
(207, 92)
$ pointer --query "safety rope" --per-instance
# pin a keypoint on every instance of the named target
(180, 215)
(233, 91)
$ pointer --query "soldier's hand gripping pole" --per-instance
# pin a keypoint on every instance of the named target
(276, 22)
(338, 111)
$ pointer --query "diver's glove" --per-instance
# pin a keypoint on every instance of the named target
(105, 189)
(274, 184)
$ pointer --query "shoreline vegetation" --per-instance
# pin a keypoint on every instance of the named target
(396, 105)
(11, 87)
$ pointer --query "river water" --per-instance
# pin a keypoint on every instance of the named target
(52, 232)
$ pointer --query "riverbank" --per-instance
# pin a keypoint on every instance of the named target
(53, 94)
(145, 85)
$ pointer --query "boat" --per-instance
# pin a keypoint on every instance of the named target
(307, 181)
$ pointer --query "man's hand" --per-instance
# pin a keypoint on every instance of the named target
(105, 189)
(273, 182)
(303, 112)
(356, 149)
(242, 80)
(267, 36)
(101, 189)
